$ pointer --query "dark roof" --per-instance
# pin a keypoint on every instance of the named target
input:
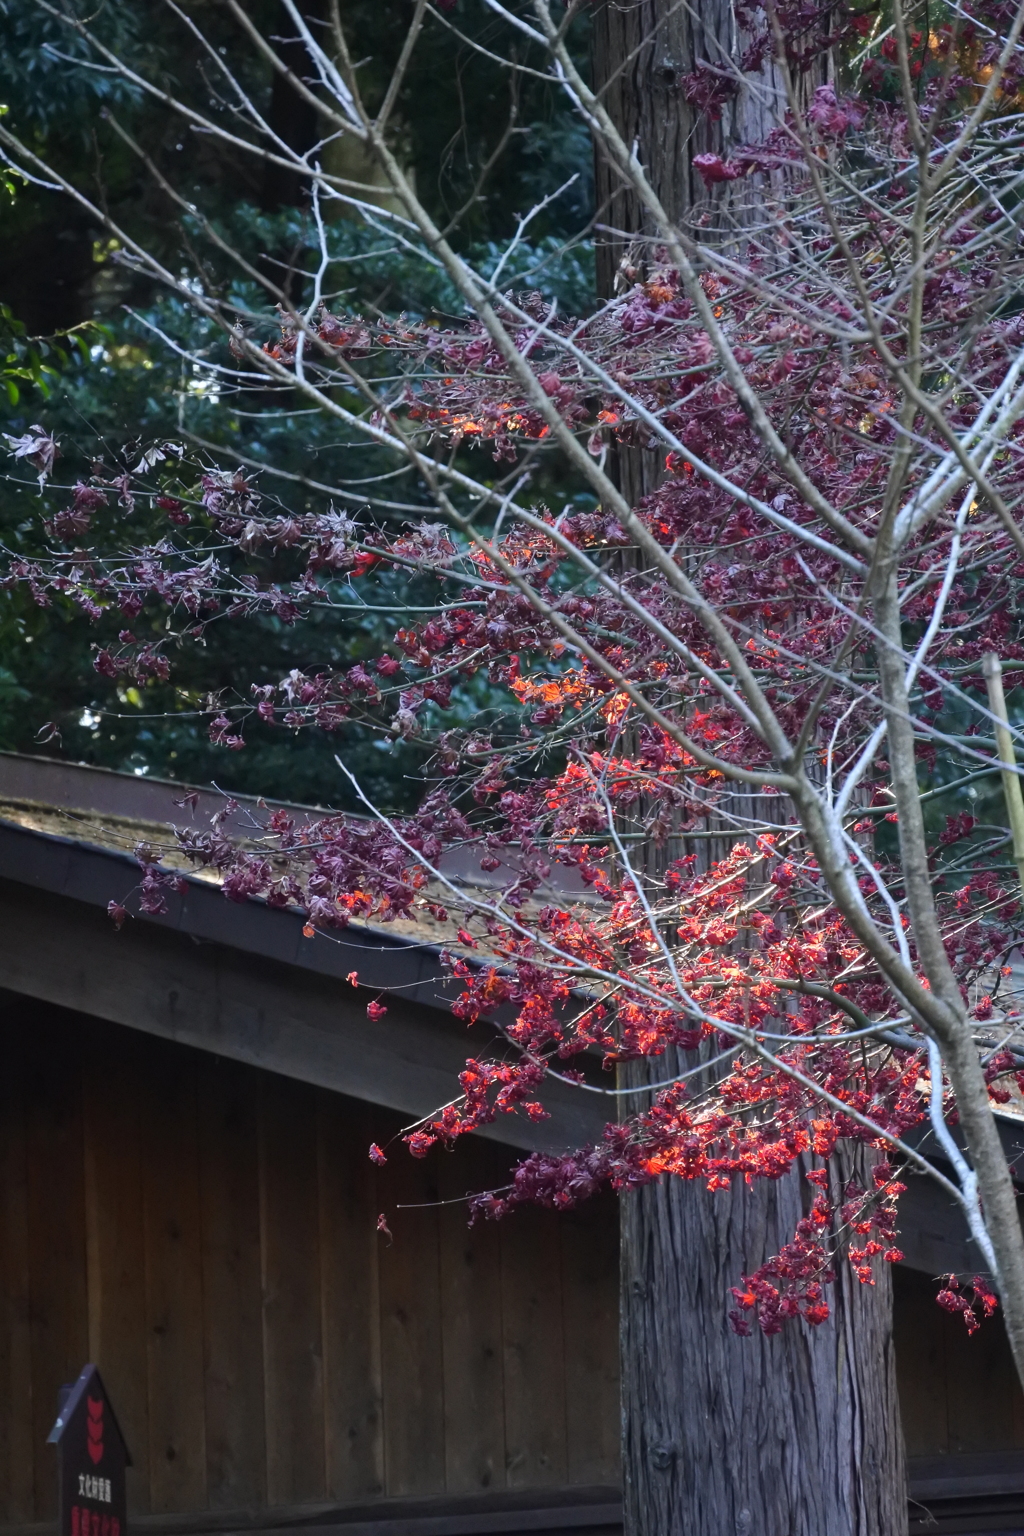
(66, 834)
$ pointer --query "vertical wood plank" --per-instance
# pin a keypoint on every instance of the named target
(174, 1298)
(411, 1355)
(534, 1351)
(979, 1392)
(232, 1288)
(919, 1339)
(56, 1226)
(17, 1447)
(471, 1321)
(292, 1341)
(590, 1319)
(354, 1433)
(114, 1076)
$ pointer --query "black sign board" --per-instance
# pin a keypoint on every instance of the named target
(92, 1457)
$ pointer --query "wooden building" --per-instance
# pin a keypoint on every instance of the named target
(186, 1200)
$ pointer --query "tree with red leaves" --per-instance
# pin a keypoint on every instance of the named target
(770, 668)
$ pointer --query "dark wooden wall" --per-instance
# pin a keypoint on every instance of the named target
(959, 1394)
(206, 1233)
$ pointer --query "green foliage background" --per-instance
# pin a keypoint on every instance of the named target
(82, 350)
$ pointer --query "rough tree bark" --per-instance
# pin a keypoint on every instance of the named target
(798, 1434)
(642, 53)
(794, 1435)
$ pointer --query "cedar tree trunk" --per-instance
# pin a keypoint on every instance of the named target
(797, 1434)
(793, 1435)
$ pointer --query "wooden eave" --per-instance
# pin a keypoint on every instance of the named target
(238, 979)
(242, 980)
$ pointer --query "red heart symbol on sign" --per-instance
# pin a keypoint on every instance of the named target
(94, 1425)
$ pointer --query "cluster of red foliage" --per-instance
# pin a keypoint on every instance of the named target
(758, 953)
(954, 1299)
(791, 1284)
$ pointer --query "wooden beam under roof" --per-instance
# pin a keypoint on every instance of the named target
(242, 980)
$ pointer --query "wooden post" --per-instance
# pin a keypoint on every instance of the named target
(1007, 759)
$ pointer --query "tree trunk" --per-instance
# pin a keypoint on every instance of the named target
(797, 1434)
(793, 1435)
(643, 51)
